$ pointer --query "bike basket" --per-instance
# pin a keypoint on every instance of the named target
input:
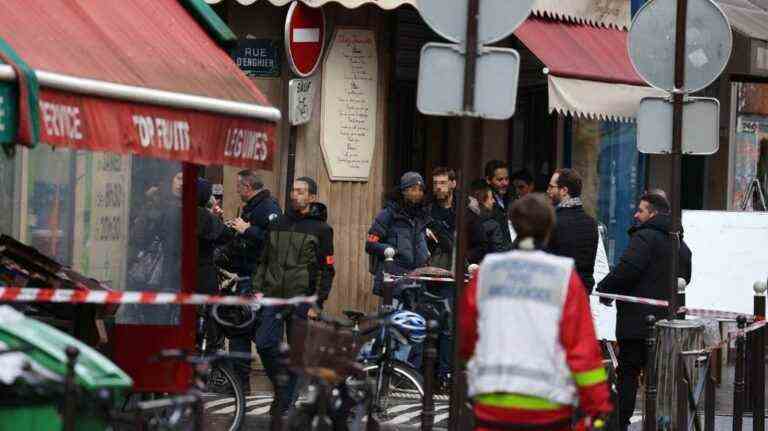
(323, 349)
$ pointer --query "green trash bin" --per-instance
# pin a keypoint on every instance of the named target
(32, 399)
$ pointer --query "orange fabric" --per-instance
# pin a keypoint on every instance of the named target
(329, 260)
(373, 238)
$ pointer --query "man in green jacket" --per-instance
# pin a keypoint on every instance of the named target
(297, 261)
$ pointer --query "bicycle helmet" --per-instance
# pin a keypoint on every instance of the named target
(234, 319)
(411, 325)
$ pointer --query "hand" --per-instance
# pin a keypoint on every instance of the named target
(151, 191)
(608, 302)
(240, 225)
(312, 314)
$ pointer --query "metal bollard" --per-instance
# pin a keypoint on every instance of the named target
(709, 394)
(283, 376)
(738, 387)
(430, 357)
(681, 284)
(649, 420)
(70, 388)
(682, 395)
(387, 286)
(758, 360)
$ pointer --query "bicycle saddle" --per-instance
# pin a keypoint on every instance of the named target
(353, 315)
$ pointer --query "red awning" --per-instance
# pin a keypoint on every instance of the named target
(580, 51)
(139, 76)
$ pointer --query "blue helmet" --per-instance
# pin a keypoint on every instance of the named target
(411, 325)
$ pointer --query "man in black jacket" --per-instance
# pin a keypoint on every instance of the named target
(297, 261)
(244, 251)
(442, 210)
(643, 271)
(575, 234)
(497, 176)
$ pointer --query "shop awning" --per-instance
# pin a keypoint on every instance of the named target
(746, 18)
(590, 73)
(138, 76)
(609, 13)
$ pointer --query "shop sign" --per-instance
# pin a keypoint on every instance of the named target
(301, 97)
(7, 112)
(258, 57)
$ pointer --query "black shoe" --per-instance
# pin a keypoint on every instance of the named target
(274, 408)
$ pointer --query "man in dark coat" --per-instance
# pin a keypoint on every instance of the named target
(497, 176)
(643, 271)
(211, 232)
(402, 226)
(442, 211)
(575, 233)
(243, 253)
(485, 234)
(297, 261)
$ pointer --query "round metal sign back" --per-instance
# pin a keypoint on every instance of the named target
(498, 18)
(652, 44)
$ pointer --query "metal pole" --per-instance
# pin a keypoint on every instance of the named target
(758, 360)
(738, 386)
(676, 156)
(70, 401)
(649, 420)
(681, 298)
(682, 394)
(458, 387)
(430, 356)
(290, 171)
(709, 394)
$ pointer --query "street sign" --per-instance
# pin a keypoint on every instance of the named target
(258, 57)
(498, 18)
(441, 81)
(304, 38)
(652, 44)
(301, 96)
(701, 117)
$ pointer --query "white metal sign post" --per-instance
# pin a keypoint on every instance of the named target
(471, 81)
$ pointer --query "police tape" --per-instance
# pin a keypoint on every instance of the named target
(633, 299)
(728, 339)
(716, 314)
(389, 278)
(84, 296)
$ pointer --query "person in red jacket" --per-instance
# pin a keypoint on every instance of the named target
(528, 335)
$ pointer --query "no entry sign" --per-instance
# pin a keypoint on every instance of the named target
(304, 38)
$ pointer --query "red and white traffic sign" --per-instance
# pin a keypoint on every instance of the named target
(304, 38)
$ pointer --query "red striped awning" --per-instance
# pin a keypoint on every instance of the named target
(580, 51)
(138, 76)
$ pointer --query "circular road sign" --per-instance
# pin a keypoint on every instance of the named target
(498, 18)
(652, 44)
(304, 38)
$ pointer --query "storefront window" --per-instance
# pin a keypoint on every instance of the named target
(605, 153)
(750, 154)
(115, 218)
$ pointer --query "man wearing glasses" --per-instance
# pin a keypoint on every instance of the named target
(575, 234)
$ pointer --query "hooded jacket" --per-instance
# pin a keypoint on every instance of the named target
(211, 232)
(485, 235)
(643, 271)
(298, 256)
(405, 232)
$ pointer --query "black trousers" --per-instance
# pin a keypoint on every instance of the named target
(632, 360)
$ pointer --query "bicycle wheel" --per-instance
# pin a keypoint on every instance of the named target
(223, 401)
(399, 393)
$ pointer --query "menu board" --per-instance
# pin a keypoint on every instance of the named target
(349, 104)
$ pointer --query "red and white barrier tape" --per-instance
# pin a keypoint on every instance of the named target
(68, 296)
(731, 336)
(389, 278)
(634, 299)
(717, 314)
